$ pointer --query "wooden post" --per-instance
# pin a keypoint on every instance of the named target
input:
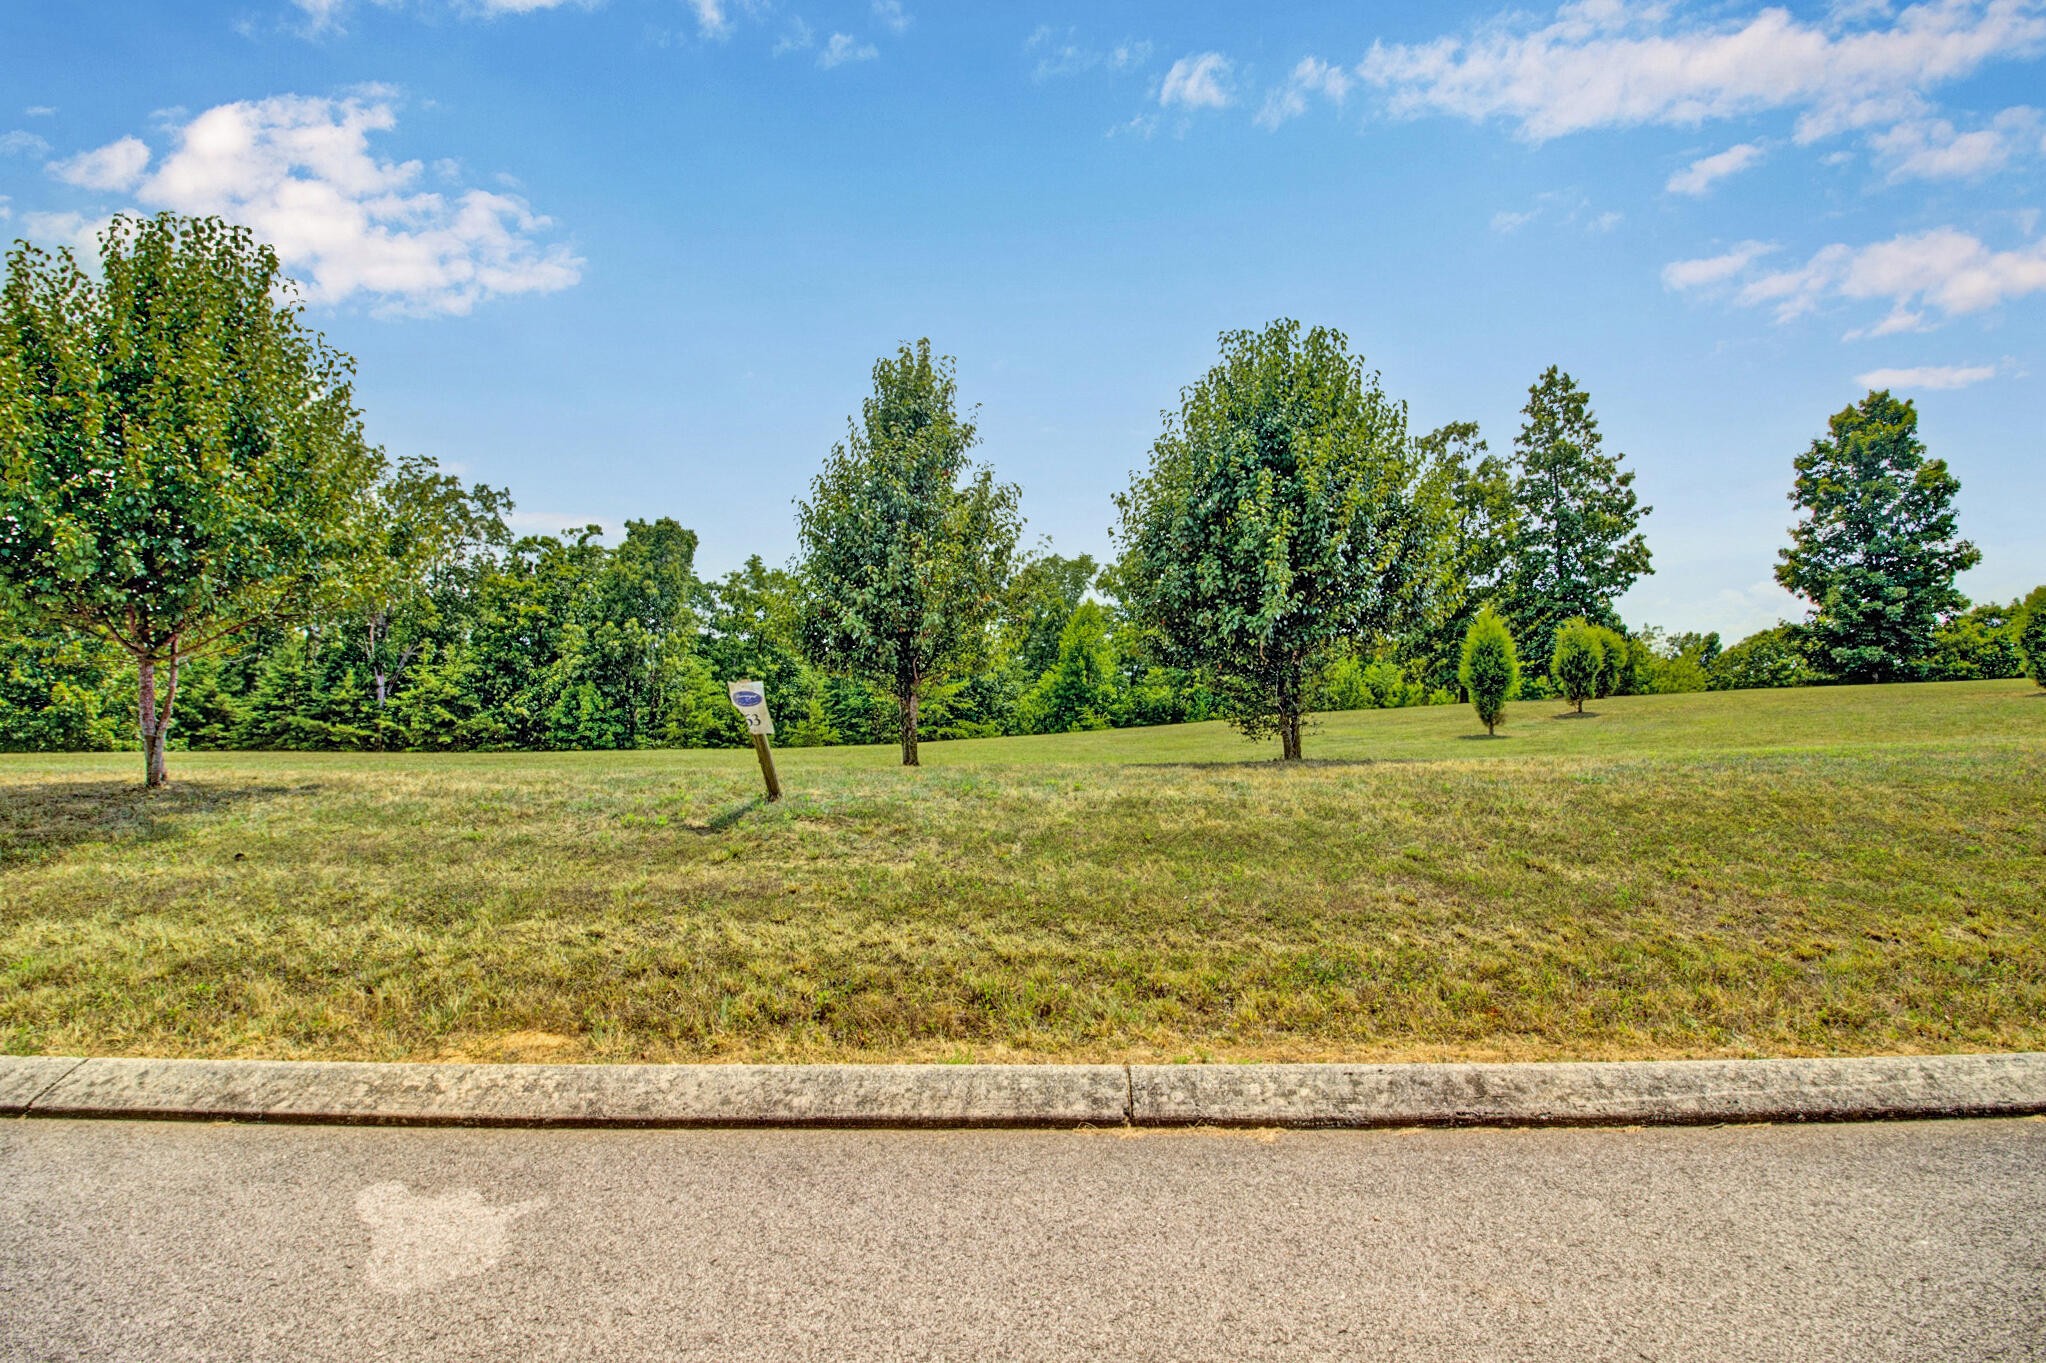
(766, 756)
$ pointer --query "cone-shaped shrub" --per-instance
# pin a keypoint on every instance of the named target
(1580, 656)
(1489, 667)
(2032, 635)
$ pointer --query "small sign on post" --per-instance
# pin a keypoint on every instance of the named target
(750, 697)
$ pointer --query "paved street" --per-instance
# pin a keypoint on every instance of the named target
(132, 1240)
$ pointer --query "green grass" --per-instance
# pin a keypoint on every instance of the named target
(1852, 870)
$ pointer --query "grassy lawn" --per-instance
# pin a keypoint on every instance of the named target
(1853, 870)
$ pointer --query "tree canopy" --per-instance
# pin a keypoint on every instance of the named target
(182, 458)
(1575, 543)
(905, 543)
(1281, 517)
(1877, 547)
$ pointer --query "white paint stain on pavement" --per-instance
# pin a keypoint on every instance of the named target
(420, 1241)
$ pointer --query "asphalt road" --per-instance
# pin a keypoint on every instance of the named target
(132, 1240)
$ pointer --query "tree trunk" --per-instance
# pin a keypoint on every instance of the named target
(908, 713)
(154, 716)
(1289, 737)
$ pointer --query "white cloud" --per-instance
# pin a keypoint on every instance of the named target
(1927, 376)
(20, 143)
(892, 15)
(299, 172)
(1059, 52)
(1702, 273)
(40, 111)
(1199, 81)
(1312, 76)
(1704, 172)
(74, 230)
(116, 166)
(321, 16)
(843, 48)
(1609, 63)
(711, 19)
(1933, 149)
(1944, 268)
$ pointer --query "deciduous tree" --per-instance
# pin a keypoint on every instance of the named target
(1281, 517)
(180, 456)
(905, 543)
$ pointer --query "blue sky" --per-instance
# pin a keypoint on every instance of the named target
(636, 257)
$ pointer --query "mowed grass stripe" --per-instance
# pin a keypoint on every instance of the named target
(1851, 870)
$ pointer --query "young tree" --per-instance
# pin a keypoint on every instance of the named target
(905, 544)
(2032, 635)
(1876, 551)
(1613, 663)
(1281, 517)
(1575, 543)
(1579, 658)
(1489, 668)
(180, 457)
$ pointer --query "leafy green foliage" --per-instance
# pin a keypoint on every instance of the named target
(2032, 635)
(905, 544)
(1877, 549)
(66, 692)
(1473, 493)
(1775, 657)
(1490, 667)
(1980, 644)
(1282, 518)
(1615, 665)
(1575, 540)
(1578, 659)
(1079, 691)
(180, 457)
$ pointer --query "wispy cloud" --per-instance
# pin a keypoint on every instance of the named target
(22, 143)
(1707, 171)
(1945, 269)
(891, 15)
(842, 48)
(1312, 77)
(1928, 376)
(1198, 81)
(1609, 64)
(1934, 149)
(116, 166)
(1058, 52)
(1710, 270)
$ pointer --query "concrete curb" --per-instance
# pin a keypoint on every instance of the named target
(966, 1095)
(1672, 1092)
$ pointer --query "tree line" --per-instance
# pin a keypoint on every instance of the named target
(199, 548)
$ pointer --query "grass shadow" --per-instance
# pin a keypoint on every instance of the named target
(42, 820)
(721, 822)
(1275, 764)
(1482, 738)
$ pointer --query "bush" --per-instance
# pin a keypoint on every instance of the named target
(1771, 658)
(1579, 659)
(1978, 645)
(2032, 635)
(1615, 670)
(1489, 667)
